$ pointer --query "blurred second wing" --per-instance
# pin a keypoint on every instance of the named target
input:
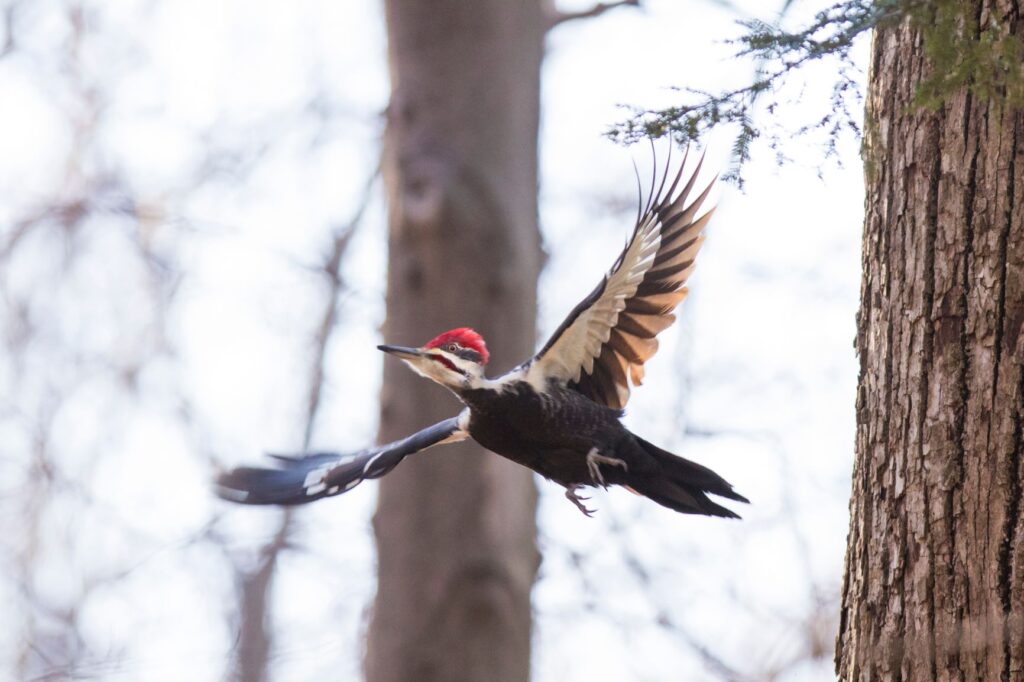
(303, 478)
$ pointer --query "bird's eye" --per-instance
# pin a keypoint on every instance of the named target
(451, 347)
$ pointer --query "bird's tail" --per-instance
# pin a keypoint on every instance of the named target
(683, 485)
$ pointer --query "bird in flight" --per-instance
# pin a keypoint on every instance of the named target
(559, 412)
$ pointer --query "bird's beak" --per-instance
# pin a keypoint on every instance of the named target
(403, 352)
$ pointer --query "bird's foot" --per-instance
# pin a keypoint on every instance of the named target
(570, 494)
(594, 462)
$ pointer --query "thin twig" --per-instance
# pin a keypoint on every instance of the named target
(557, 17)
(252, 654)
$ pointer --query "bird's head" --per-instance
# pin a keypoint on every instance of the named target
(454, 359)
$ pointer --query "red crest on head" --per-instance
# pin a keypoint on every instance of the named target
(466, 338)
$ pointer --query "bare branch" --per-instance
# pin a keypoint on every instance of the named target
(558, 18)
(252, 656)
(332, 270)
(254, 640)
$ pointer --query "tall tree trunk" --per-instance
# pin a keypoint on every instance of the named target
(934, 585)
(456, 528)
(251, 657)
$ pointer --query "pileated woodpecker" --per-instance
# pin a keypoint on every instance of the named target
(559, 412)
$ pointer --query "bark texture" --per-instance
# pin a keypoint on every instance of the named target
(455, 527)
(934, 583)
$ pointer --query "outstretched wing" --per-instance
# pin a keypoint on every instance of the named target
(602, 345)
(304, 478)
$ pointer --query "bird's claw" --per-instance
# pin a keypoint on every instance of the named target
(594, 462)
(570, 494)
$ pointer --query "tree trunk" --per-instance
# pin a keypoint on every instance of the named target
(456, 528)
(934, 584)
(251, 655)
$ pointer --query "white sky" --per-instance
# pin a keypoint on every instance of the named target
(762, 355)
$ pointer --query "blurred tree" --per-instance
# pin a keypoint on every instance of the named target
(456, 531)
(934, 584)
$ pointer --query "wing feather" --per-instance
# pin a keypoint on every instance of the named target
(642, 325)
(305, 478)
(601, 347)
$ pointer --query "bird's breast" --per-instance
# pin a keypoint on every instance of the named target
(538, 429)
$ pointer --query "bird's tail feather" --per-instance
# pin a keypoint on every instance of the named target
(683, 485)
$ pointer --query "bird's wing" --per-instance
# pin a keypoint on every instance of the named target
(601, 347)
(304, 478)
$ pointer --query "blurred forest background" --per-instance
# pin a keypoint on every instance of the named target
(192, 271)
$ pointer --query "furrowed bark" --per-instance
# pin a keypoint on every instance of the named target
(934, 582)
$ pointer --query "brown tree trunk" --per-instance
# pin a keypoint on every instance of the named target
(934, 584)
(455, 527)
(251, 656)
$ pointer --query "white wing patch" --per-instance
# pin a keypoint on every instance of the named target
(462, 433)
(318, 480)
(601, 349)
(576, 349)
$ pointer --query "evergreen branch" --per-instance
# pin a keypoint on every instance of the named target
(963, 50)
(778, 54)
